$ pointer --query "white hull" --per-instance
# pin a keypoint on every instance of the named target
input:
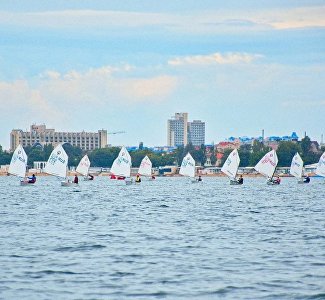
(301, 181)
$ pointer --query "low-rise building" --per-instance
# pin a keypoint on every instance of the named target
(41, 135)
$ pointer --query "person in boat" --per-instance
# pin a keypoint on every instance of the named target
(307, 179)
(200, 178)
(90, 177)
(76, 179)
(277, 180)
(32, 179)
(240, 180)
(138, 178)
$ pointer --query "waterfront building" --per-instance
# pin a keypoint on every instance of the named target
(177, 130)
(181, 132)
(196, 132)
(40, 135)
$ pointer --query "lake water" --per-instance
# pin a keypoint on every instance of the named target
(162, 239)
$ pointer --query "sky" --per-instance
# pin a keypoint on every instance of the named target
(240, 66)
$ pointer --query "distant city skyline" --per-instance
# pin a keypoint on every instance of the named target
(129, 65)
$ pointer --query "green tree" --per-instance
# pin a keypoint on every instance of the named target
(103, 157)
(74, 154)
(258, 151)
(5, 157)
(286, 152)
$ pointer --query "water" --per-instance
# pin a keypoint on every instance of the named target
(162, 239)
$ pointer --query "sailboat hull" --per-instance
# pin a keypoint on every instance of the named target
(235, 182)
(272, 183)
(25, 183)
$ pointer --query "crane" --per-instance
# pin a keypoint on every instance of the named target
(116, 132)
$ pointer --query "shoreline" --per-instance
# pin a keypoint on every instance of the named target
(106, 174)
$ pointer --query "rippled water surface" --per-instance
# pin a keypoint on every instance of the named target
(162, 239)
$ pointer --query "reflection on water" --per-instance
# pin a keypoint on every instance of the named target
(162, 239)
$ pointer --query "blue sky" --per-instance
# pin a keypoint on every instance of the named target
(130, 65)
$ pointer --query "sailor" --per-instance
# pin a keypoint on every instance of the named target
(76, 179)
(200, 178)
(137, 178)
(307, 179)
(240, 179)
(32, 179)
(277, 180)
(91, 177)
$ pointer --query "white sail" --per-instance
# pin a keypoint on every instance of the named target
(188, 166)
(296, 166)
(18, 162)
(83, 166)
(230, 167)
(122, 164)
(57, 162)
(267, 164)
(145, 167)
(320, 170)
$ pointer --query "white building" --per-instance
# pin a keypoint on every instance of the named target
(180, 132)
(196, 132)
(177, 130)
(39, 134)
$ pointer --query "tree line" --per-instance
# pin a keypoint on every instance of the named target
(104, 157)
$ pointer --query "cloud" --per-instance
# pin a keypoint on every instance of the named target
(215, 58)
(303, 103)
(153, 89)
(210, 21)
(19, 101)
(56, 95)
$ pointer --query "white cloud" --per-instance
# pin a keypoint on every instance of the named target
(303, 103)
(203, 22)
(56, 95)
(215, 58)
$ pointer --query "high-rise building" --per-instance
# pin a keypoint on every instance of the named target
(196, 132)
(177, 130)
(181, 132)
(39, 134)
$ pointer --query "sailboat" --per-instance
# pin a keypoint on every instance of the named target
(267, 165)
(296, 168)
(230, 167)
(320, 170)
(188, 167)
(145, 167)
(57, 165)
(18, 165)
(83, 167)
(122, 166)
